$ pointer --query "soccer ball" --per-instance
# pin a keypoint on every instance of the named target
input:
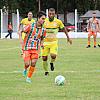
(60, 80)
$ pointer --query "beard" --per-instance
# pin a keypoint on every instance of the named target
(51, 19)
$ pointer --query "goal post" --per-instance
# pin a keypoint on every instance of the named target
(1, 24)
(75, 20)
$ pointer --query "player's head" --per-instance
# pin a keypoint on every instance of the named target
(94, 14)
(51, 13)
(30, 15)
(41, 17)
(9, 22)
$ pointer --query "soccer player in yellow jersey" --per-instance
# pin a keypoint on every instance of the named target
(52, 26)
(26, 21)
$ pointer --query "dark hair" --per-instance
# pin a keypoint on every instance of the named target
(41, 13)
(30, 12)
(51, 9)
(94, 13)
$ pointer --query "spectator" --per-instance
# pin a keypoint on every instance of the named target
(10, 30)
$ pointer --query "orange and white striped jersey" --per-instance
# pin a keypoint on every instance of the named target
(33, 36)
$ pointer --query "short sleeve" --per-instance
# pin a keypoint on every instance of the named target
(27, 28)
(22, 21)
(61, 25)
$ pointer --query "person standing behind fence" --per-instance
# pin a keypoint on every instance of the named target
(10, 30)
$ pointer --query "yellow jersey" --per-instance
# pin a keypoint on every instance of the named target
(52, 28)
(25, 21)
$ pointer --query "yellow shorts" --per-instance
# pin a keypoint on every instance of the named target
(51, 48)
(23, 35)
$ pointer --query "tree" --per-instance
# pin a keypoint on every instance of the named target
(65, 6)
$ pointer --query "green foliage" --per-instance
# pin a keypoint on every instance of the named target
(63, 5)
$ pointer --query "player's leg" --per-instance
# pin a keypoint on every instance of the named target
(26, 65)
(53, 58)
(99, 45)
(45, 52)
(45, 64)
(7, 34)
(26, 57)
(33, 60)
(89, 36)
(31, 70)
(10, 34)
(94, 36)
(53, 54)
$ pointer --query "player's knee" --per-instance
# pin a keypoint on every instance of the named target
(89, 36)
(27, 64)
(33, 64)
(44, 58)
(53, 56)
(94, 36)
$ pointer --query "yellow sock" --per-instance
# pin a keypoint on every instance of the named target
(45, 65)
(52, 60)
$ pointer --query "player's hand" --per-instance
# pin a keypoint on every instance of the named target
(42, 46)
(69, 40)
(21, 42)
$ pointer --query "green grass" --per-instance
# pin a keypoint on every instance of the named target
(79, 65)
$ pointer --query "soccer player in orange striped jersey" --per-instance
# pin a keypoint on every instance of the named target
(35, 33)
(92, 28)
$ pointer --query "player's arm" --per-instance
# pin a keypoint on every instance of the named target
(20, 28)
(98, 23)
(66, 32)
(20, 36)
(42, 38)
(25, 29)
(62, 27)
(20, 25)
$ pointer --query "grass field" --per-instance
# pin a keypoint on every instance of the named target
(79, 65)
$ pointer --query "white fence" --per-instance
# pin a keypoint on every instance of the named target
(75, 35)
(59, 35)
(4, 23)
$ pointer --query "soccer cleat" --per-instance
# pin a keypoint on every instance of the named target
(98, 45)
(94, 46)
(46, 73)
(52, 66)
(88, 46)
(28, 80)
(24, 73)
